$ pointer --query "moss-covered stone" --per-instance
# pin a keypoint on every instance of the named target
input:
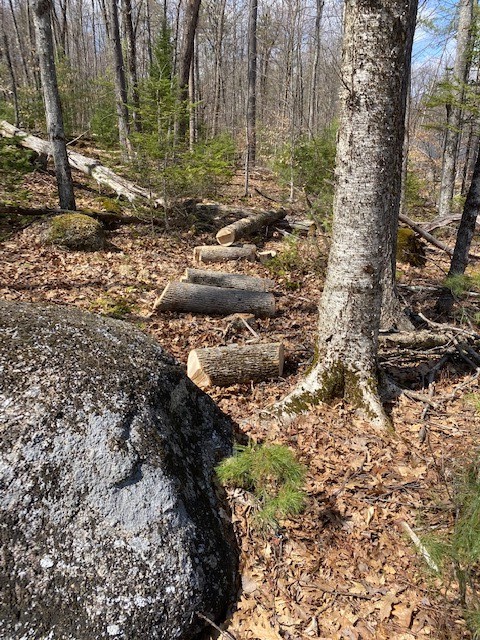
(410, 249)
(75, 231)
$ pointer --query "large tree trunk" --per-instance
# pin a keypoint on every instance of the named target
(454, 109)
(53, 107)
(465, 233)
(376, 56)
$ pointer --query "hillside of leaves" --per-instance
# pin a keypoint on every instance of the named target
(345, 568)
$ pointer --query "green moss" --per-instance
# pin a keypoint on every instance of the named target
(409, 248)
(75, 231)
(110, 205)
(113, 306)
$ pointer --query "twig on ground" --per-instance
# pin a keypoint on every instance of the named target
(420, 547)
(224, 634)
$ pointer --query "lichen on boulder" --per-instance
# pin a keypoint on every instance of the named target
(75, 231)
(110, 522)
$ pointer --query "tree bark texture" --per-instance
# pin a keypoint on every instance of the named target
(203, 299)
(53, 107)
(246, 226)
(376, 57)
(227, 280)
(210, 254)
(223, 366)
(454, 110)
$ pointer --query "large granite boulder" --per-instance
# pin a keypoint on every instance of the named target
(110, 525)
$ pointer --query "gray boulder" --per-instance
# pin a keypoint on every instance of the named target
(110, 524)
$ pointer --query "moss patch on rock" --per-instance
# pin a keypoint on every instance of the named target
(75, 231)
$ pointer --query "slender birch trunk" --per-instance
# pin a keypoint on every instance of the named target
(313, 103)
(53, 107)
(454, 109)
(376, 59)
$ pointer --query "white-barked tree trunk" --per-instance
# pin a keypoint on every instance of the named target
(376, 58)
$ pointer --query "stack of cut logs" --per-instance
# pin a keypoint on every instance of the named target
(217, 293)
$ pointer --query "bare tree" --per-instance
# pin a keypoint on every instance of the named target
(454, 107)
(376, 58)
(53, 107)
(251, 92)
(186, 58)
(132, 63)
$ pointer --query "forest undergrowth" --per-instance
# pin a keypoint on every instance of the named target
(345, 568)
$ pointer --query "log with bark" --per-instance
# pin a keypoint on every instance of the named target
(203, 299)
(210, 254)
(90, 166)
(227, 280)
(247, 226)
(300, 227)
(223, 366)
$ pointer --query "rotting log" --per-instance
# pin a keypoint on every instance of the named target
(227, 280)
(223, 366)
(211, 254)
(246, 226)
(206, 300)
(92, 167)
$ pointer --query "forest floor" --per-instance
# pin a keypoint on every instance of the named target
(345, 568)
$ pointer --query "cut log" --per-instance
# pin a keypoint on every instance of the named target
(246, 226)
(223, 366)
(227, 280)
(92, 167)
(197, 298)
(207, 254)
(302, 227)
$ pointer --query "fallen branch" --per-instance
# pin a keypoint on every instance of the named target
(425, 235)
(438, 223)
(420, 546)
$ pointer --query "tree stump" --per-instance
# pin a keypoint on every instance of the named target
(223, 366)
(202, 299)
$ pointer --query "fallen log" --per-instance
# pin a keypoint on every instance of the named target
(92, 167)
(223, 366)
(246, 226)
(227, 280)
(203, 299)
(207, 254)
